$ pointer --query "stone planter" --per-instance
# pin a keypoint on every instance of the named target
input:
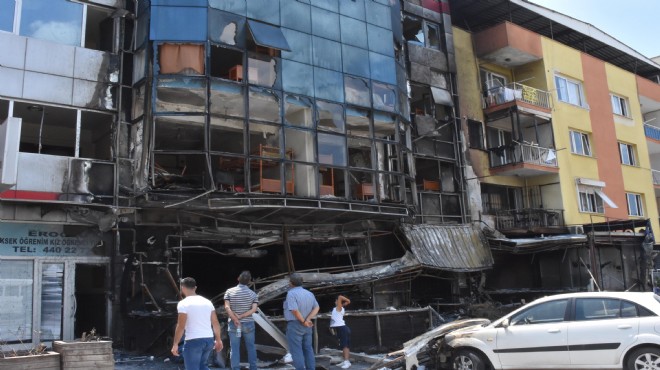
(95, 355)
(45, 361)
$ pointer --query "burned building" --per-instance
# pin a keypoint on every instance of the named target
(149, 140)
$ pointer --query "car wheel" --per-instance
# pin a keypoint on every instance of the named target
(647, 358)
(468, 360)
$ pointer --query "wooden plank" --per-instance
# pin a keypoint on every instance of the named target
(86, 351)
(91, 358)
(49, 361)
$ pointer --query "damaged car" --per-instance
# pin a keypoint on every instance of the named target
(576, 330)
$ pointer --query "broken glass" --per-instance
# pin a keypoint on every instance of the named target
(384, 97)
(301, 46)
(357, 91)
(328, 84)
(138, 101)
(96, 139)
(330, 116)
(383, 68)
(264, 105)
(390, 189)
(331, 182)
(180, 171)
(303, 178)
(380, 40)
(451, 205)
(297, 78)
(226, 63)
(185, 59)
(413, 30)
(332, 149)
(56, 20)
(353, 32)
(432, 35)
(264, 10)
(298, 111)
(268, 36)
(181, 94)
(227, 99)
(179, 133)
(265, 177)
(265, 140)
(362, 185)
(228, 173)
(227, 135)
(357, 122)
(327, 54)
(447, 178)
(325, 23)
(139, 65)
(47, 130)
(263, 70)
(300, 143)
(296, 15)
(384, 127)
(360, 153)
(226, 28)
(354, 61)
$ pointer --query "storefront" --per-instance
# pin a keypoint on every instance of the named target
(53, 282)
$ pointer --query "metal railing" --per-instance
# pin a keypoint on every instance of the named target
(652, 132)
(522, 153)
(519, 92)
(528, 218)
(656, 177)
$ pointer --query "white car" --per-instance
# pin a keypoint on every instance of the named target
(603, 330)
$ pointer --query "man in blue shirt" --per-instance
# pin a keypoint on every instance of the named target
(300, 307)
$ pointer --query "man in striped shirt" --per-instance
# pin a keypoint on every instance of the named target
(240, 303)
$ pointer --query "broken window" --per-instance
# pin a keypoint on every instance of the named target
(266, 177)
(264, 105)
(384, 127)
(360, 153)
(302, 178)
(263, 70)
(179, 133)
(265, 140)
(332, 149)
(451, 205)
(390, 188)
(226, 63)
(500, 198)
(187, 59)
(181, 94)
(227, 135)
(421, 100)
(358, 122)
(56, 20)
(267, 36)
(413, 30)
(139, 65)
(362, 185)
(298, 111)
(16, 279)
(47, 130)
(476, 134)
(357, 91)
(138, 101)
(99, 29)
(226, 28)
(428, 175)
(384, 97)
(301, 144)
(229, 173)
(331, 182)
(227, 99)
(330, 116)
(180, 171)
(4, 110)
(96, 135)
(432, 35)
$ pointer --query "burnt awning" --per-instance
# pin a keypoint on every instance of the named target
(451, 248)
(535, 245)
(268, 36)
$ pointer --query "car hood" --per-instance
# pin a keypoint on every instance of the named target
(466, 331)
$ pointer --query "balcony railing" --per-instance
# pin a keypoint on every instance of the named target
(529, 218)
(522, 153)
(656, 177)
(652, 132)
(517, 92)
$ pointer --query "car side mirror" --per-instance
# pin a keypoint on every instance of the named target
(505, 323)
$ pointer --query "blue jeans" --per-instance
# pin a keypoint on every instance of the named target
(300, 345)
(196, 353)
(247, 333)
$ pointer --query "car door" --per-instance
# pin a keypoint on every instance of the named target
(535, 337)
(602, 328)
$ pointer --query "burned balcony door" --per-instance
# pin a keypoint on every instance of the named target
(499, 144)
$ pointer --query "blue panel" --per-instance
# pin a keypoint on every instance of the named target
(327, 54)
(296, 15)
(202, 3)
(380, 15)
(325, 24)
(382, 68)
(380, 40)
(297, 78)
(268, 36)
(264, 10)
(175, 23)
(301, 46)
(328, 85)
(355, 61)
(231, 6)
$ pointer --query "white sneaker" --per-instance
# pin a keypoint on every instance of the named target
(287, 358)
(345, 365)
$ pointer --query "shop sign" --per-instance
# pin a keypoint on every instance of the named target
(39, 240)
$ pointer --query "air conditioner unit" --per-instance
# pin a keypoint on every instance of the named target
(575, 229)
(10, 138)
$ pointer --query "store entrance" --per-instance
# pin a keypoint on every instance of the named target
(90, 300)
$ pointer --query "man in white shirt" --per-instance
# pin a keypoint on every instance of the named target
(343, 332)
(198, 318)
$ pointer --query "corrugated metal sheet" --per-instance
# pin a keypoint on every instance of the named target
(535, 245)
(453, 248)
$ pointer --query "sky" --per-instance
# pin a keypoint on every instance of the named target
(633, 22)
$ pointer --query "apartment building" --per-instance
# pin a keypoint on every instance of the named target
(144, 141)
(554, 114)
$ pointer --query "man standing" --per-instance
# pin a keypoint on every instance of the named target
(343, 331)
(240, 303)
(300, 307)
(198, 318)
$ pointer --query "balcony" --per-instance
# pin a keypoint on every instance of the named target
(524, 160)
(656, 177)
(526, 97)
(652, 132)
(530, 221)
(508, 45)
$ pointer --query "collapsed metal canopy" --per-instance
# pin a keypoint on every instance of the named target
(453, 248)
(534, 245)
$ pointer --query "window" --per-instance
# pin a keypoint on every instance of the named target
(500, 198)
(543, 313)
(597, 309)
(422, 32)
(580, 143)
(569, 91)
(620, 105)
(16, 281)
(476, 134)
(590, 199)
(627, 152)
(7, 15)
(635, 206)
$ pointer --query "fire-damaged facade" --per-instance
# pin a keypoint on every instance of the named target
(145, 141)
